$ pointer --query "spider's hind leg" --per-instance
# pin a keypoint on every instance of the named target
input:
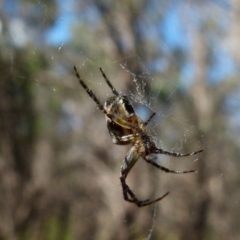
(128, 163)
(174, 154)
(152, 162)
(129, 196)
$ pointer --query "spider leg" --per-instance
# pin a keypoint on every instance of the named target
(149, 119)
(128, 194)
(90, 92)
(161, 151)
(125, 138)
(150, 161)
(114, 91)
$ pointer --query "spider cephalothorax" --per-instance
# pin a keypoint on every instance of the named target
(126, 127)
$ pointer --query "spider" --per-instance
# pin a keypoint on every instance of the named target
(126, 127)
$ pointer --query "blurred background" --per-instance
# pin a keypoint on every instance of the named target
(59, 170)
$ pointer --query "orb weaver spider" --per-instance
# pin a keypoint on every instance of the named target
(126, 127)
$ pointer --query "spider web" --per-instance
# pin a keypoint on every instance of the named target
(145, 103)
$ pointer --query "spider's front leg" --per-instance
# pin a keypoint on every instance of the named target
(127, 165)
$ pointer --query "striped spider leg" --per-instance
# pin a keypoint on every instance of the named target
(126, 127)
